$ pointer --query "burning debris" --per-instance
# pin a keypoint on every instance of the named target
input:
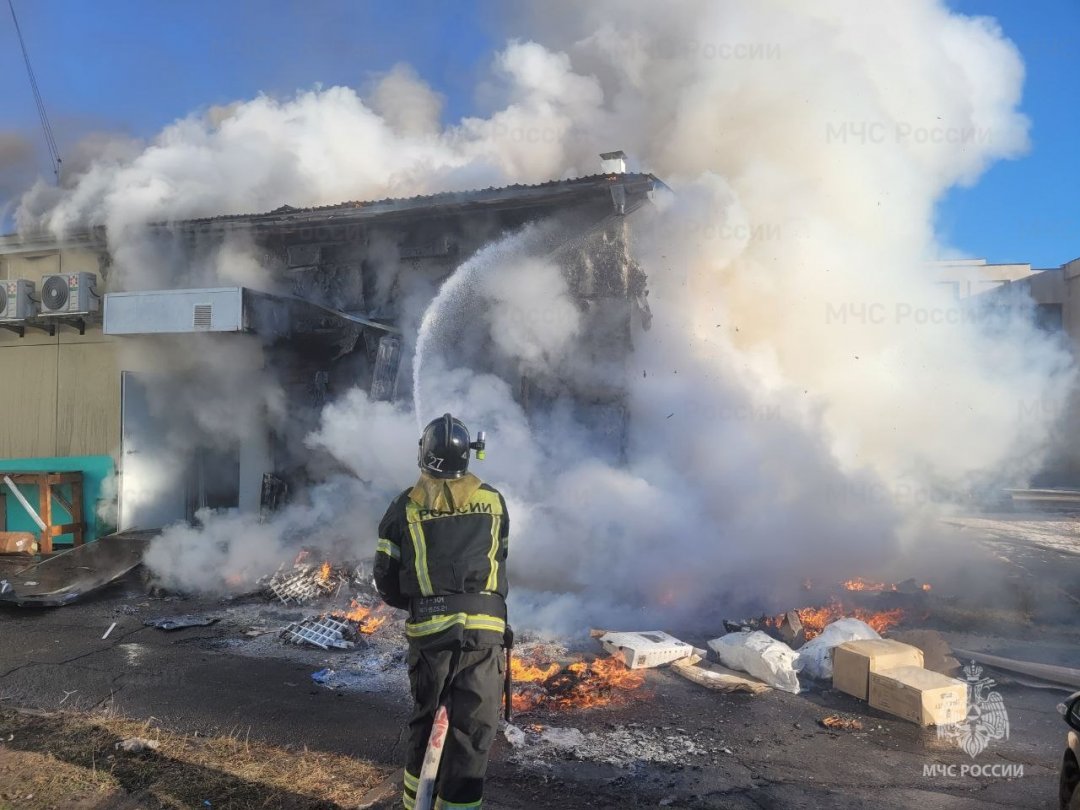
(339, 629)
(907, 586)
(293, 587)
(800, 625)
(367, 619)
(301, 582)
(813, 620)
(579, 685)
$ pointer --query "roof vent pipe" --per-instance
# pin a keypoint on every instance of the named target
(613, 162)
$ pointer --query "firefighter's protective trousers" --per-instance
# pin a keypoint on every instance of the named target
(473, 705)
(442, 556)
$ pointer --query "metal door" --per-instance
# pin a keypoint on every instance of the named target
(153, 485)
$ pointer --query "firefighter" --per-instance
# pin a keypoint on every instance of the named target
(442, 556)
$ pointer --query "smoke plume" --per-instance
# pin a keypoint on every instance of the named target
(807, 389)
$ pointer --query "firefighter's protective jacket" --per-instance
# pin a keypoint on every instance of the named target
(446, 539)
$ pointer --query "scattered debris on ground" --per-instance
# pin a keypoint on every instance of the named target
(303, 581)
(320, 631)
(136, 745)
(839, 722)
(67, 576)
(624, 746)
(180, 622)
(323, 676)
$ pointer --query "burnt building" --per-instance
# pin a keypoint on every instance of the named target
(327, 310)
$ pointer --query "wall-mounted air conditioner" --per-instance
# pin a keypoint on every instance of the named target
(17, 300)
(69, 294)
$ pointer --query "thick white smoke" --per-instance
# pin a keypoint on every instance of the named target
(807, 384)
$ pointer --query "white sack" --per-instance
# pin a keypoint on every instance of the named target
(767, 659)
(815, 656)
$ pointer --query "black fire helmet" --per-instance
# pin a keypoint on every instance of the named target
(444, 448)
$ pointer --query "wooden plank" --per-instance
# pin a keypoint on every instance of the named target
(718, 678)
(45, 511)
(77, 511)
(48, 490)
(58, 496)
(23, 477)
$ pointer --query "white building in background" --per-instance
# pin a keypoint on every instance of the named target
(968, 277)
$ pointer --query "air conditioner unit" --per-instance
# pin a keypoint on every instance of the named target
(69, 294)
(17, 300)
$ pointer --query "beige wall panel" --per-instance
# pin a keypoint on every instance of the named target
(81, 261)
(33, 266)
(70, 335)
(33, 337)
(28, 401)
(88, 407)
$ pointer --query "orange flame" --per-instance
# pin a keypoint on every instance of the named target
(860, 584)
(814, 619)
(580, 685)
(324, 573)
(367, 620)
(529, 672)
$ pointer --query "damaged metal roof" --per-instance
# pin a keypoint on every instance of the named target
(488, 196)
(631, 186)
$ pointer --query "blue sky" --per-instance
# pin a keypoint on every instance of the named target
(136, 65)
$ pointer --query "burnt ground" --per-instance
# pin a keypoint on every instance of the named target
(743, 751)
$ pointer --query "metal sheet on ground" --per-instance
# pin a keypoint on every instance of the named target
(66, 577)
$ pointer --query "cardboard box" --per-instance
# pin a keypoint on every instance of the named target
(651, 649)
(18, 543)
(853, 661)
(919, 695)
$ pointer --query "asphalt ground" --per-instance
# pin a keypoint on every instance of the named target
(758, 751)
